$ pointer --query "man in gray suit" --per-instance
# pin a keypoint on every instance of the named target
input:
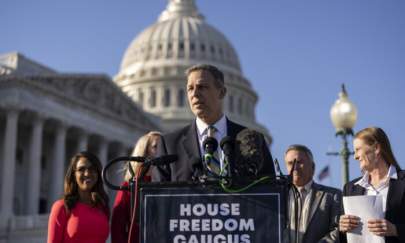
(317, 208)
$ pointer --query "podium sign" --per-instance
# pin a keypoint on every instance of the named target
(190, 214)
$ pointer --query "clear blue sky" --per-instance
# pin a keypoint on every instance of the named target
(296, 54)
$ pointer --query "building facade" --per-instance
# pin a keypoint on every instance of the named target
(46, 116)
(153, 66)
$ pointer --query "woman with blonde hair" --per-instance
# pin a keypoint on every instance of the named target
(383, 177)
(121, 216)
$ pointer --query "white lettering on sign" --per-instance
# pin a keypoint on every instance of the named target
(220, 222)
(209, 209)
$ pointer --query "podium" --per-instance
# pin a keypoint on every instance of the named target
(198, 213)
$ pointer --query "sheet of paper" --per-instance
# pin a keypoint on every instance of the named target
(365, 207)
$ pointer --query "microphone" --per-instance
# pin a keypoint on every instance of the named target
(210, 145)
(249, 153)
(296, 196)
(228, 147)
(163, 160)
(198, 168)
(278, 167)
(293, 167)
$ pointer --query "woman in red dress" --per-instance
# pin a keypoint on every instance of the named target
(82, 215)
(121, 218)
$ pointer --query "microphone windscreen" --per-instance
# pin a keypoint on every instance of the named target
(227, 140)
(210, 144)
(249, 151)
(228, 147)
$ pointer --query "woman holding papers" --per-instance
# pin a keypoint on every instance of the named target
(383, 177)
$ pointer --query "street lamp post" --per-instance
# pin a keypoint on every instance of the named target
(343, 115)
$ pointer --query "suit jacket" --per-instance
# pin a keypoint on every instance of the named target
(323, 215)
(184, 143)
(395, 210)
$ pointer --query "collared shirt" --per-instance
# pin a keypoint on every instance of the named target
(382, 188)
(305, 190)
(303, 210)
(221, 131)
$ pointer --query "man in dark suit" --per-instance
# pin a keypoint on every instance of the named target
(205, 92)
(318, 207)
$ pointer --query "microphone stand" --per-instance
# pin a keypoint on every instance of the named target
(134, 190)
(228, 148)
(296, 198)
(210, 145)
(132, 186)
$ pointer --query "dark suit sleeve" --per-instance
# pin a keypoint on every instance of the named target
(396, 207)
(346, 192)
(334, 214)
(401, 232)
(161, 173)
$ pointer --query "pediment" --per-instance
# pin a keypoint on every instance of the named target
(90, 91)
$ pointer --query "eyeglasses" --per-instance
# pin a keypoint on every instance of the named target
(90, 170)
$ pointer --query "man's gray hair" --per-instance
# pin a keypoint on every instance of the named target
(301, 148)
(215, 72)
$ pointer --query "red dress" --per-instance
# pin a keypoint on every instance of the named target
(121, 218)
(83, 224)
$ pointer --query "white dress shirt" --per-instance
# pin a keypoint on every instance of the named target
(382, 188)
(221, 132)
(303, 210)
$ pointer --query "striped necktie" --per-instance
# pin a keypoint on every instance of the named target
(215, 164)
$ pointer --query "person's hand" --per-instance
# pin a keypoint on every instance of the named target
(348, 222)
(382, 227)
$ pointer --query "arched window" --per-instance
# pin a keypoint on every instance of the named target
(240, 106)
(140, 97)
(231, 104)
(181, 49)
(249, 108)
(166, 97)
(152, 97)
(212, 49)
(180, 98)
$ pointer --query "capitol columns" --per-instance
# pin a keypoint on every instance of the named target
(34, 165)
(7, 173)
(58, 164)
(102, 152)
(83, 141)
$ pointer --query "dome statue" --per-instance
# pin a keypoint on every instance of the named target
(153, 66)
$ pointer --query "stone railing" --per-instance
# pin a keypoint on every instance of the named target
(29, 222)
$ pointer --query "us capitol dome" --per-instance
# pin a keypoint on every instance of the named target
(153, 66)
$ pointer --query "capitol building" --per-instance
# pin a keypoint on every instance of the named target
(47, 116)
